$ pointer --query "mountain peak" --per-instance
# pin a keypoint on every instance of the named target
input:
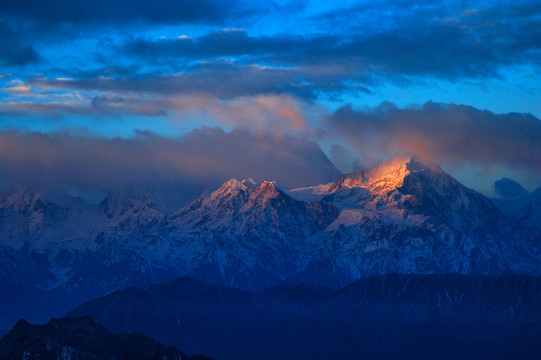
(267, 189)
(233, 185)
(20, 198)
(228, 188)
(386, 176)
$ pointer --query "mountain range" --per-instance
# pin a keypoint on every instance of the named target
(405, 316)
(405, 216)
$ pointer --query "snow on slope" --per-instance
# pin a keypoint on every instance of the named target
(404, 216)
(385, 177)
(37, 220)
(310, 193)
(129, 211)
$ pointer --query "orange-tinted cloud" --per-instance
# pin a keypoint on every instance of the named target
(279, 114)
(447, 134)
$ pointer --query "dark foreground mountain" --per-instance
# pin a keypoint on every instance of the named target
(82, 339)
(380, 317)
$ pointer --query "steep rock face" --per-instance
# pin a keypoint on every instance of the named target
(380, 179)
(530, 214)
(220, 206)
(130, 211)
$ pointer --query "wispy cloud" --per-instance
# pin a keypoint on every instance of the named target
(223, 80)
(16, 86)
(279, 113)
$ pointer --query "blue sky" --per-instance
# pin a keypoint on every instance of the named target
(352, 77)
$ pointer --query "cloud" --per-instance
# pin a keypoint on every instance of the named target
(223, 80)
(16, 86)
(508, 188)
(111, 104)
(391, 39)
(276, 113)
(201, 159)
(402, 44)
(273, 113)
(447, 134)
(225, 42)
(52, 109)
(54, 12)
(14, 48)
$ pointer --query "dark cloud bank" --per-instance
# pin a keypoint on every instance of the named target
(356, 48)
(447, 134)
(52, 12)
(353, 50)
(201, 160)
(436, 39)
(14, 48)
(442, 43)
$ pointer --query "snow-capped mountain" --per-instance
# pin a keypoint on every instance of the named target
(130, 211)
(247, 235)
(403, 216)
(406, 188)
(236, 208)
(406, 216)
(35, 220)
(526, 210)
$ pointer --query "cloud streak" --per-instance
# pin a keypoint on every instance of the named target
(279, 114)
(223, 80)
